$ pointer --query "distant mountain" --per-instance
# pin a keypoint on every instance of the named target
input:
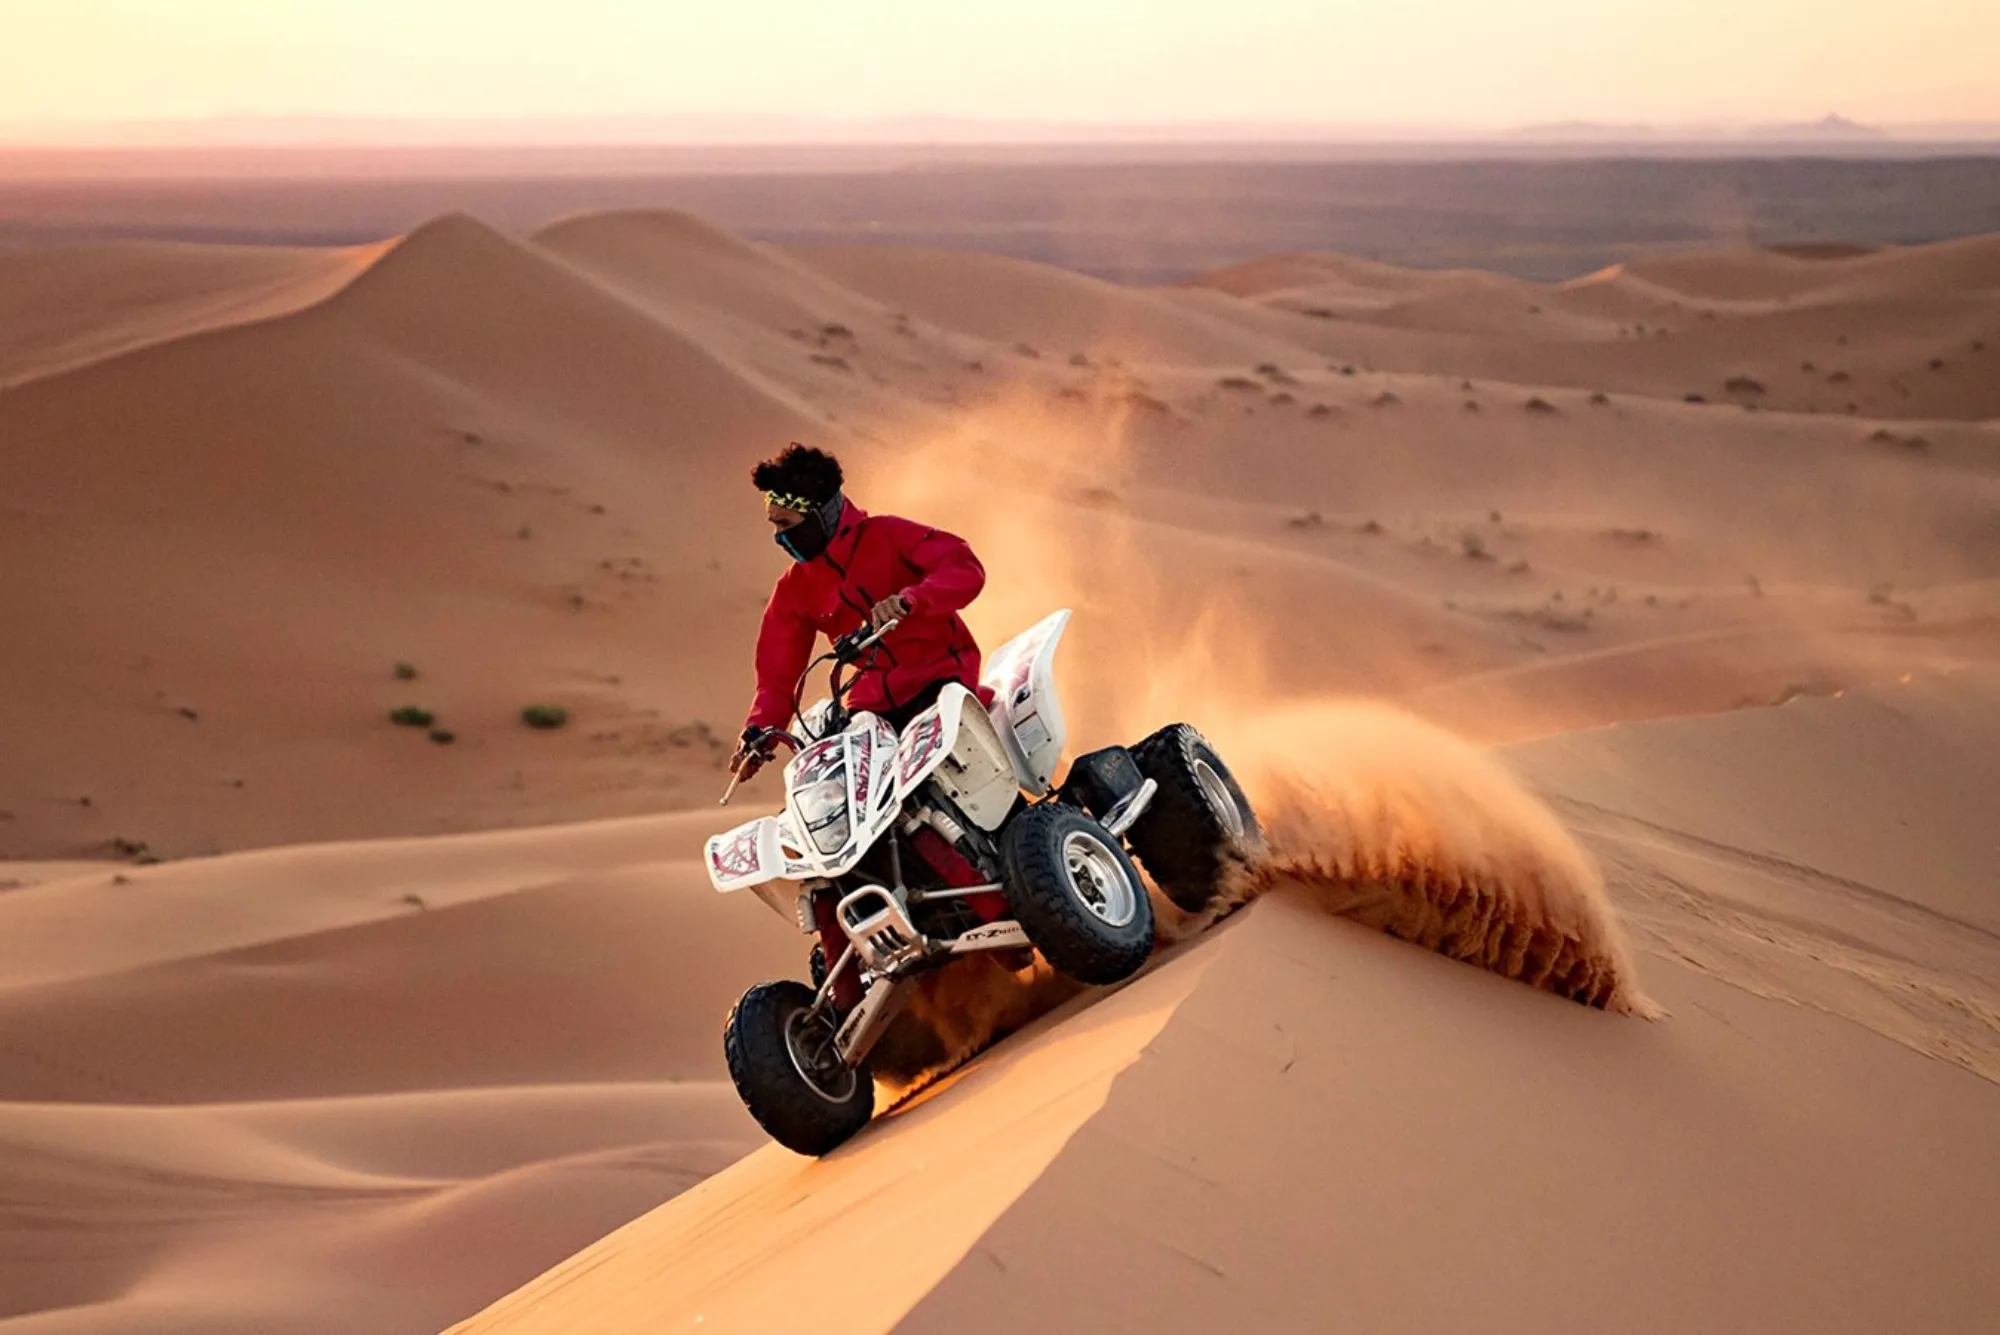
(1827, 127)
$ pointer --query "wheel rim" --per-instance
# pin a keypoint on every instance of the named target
(809, 1044)
(1097, 880)
(1220, 800)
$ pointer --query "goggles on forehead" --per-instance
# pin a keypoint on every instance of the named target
(785, 500)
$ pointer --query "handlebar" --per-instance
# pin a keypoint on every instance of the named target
(765, 744)
(849, 647)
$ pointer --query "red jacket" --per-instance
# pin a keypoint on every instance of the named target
(868, 559)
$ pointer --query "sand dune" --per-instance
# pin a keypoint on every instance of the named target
(378, 1060)
(66, 308)
(1891, 334)
(1242, 1161)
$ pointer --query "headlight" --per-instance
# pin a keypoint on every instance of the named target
(823, 810)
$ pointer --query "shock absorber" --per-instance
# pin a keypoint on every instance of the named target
(936, 837)
(832, 944)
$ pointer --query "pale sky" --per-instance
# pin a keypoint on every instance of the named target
(1473, 63)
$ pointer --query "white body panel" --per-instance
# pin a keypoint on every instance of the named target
(765, 849)
(955, 743)
(1025, 711)
(857, 771)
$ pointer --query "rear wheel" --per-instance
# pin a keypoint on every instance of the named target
(1077, 894)
(782, 1060)
(1199, 821)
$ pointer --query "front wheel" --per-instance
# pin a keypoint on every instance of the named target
(1199, 822)
(787, 1073)
(1077, 894)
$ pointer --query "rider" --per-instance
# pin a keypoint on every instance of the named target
(853, 569)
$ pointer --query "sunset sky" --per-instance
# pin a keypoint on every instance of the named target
(1469, 63)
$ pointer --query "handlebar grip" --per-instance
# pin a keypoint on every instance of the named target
(861, 639)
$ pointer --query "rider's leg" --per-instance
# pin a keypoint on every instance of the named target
(899, 716)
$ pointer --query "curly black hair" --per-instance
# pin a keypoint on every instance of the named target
(800, 470)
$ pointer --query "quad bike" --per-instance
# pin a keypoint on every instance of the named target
(902, 853)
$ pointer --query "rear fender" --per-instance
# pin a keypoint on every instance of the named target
(1025, 711)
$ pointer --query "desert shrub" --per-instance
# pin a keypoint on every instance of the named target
(1384, 400)
(406, 671)
(443, 736)
(1319, 410)
(1743, 384)
(412, 716)
(1473, 547)
(544, 716)
(1239, 383)
(1538, 404)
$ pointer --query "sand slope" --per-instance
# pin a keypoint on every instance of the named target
(1238, 1172)
(321, 1066)
(1330, 1130)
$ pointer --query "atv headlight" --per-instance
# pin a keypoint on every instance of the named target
(823, 810)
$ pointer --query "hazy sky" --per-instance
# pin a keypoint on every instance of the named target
(1441, 62)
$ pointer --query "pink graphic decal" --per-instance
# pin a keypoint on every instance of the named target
(926, 736)
(864, 773)
(819, 761)
(738, 857)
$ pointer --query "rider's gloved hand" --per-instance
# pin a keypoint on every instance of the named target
(752, 751)
(893, 608)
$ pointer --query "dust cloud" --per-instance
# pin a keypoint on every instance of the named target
(1373, 814)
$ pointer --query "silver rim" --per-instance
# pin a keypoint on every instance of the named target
(815, 1061)
(1219, 800)
(1097, 880)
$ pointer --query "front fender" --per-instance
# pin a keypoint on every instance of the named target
(754, 853)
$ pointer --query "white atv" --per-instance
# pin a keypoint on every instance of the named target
(903, 853)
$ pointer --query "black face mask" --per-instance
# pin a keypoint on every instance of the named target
(808, 538)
